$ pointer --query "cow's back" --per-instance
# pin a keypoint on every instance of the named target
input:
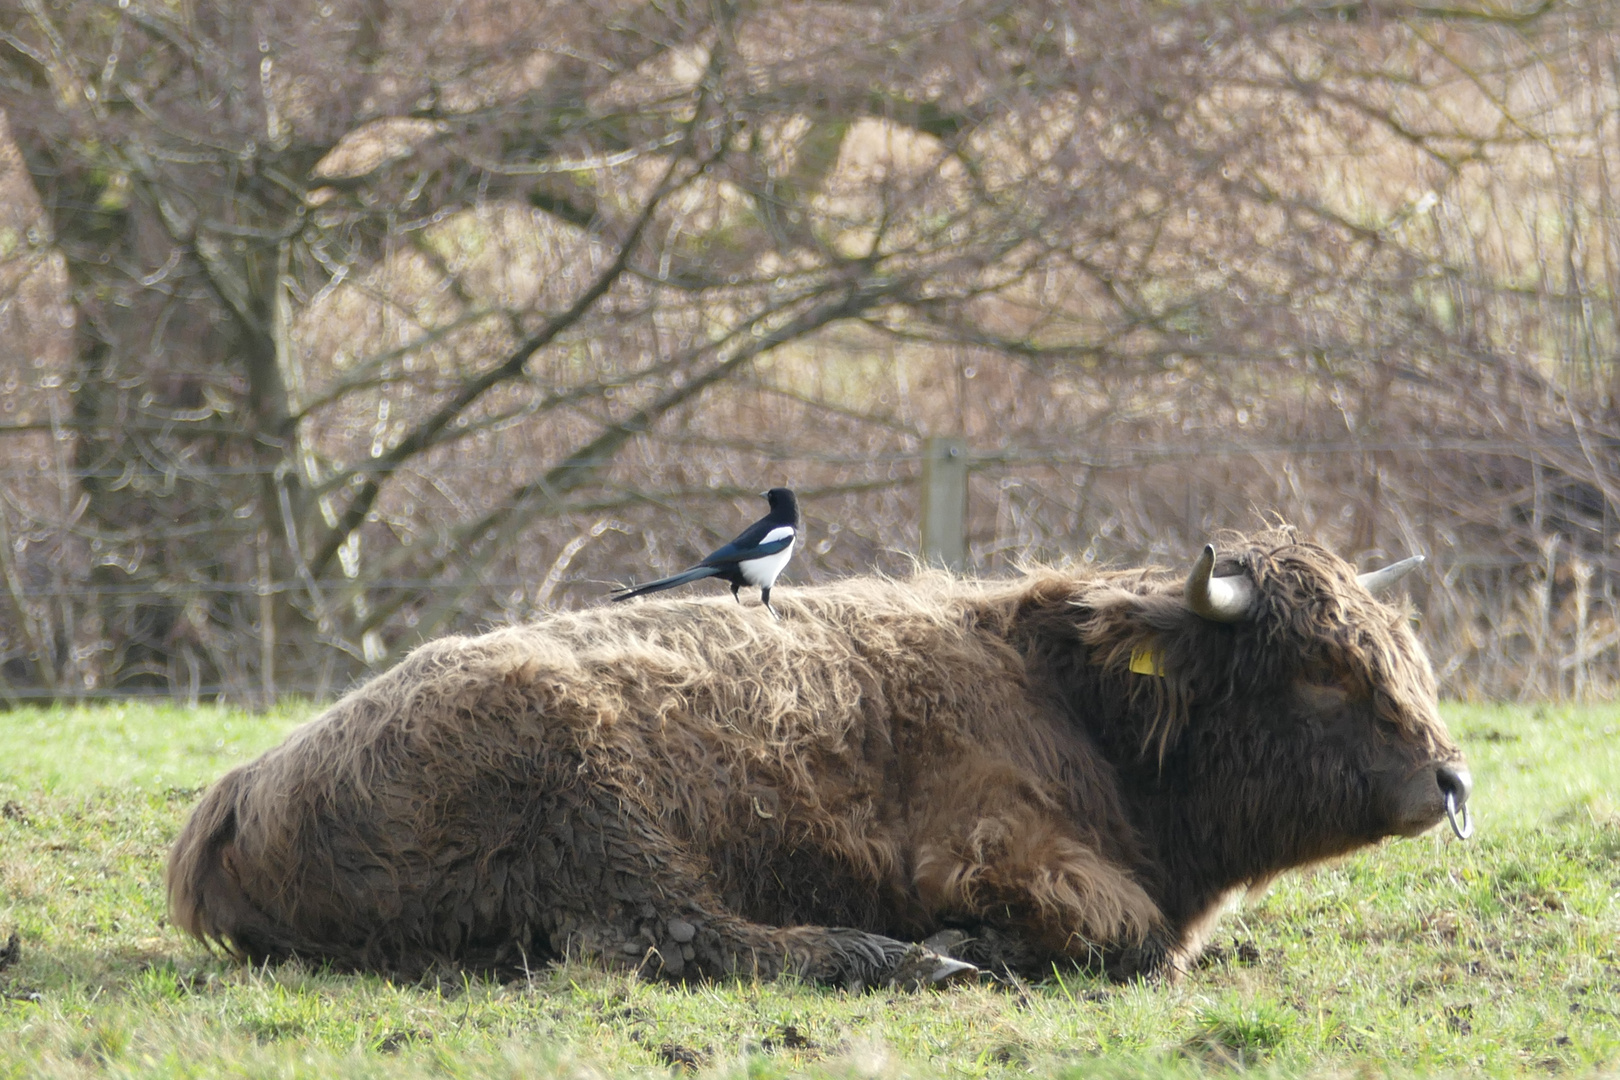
(470, 778)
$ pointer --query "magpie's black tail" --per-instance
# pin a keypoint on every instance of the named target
(697, 573)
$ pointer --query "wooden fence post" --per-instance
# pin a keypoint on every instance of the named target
(944, 502)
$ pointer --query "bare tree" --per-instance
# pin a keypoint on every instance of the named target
(393, 318)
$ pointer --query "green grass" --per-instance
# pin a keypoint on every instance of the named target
(1497, 957)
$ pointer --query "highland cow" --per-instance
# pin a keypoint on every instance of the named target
(1071, 766)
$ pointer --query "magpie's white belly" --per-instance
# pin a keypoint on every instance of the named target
(761, 573)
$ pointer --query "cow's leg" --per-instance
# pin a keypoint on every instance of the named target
(627, 894)
(1022, 870)
(700, 941)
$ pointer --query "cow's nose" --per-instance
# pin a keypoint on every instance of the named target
(1456, 783)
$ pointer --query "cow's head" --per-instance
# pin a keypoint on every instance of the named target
(1285, 692)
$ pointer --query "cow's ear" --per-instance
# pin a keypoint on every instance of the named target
(1154, 643)
(1135, 632)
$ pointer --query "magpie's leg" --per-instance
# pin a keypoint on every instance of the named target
(736, 588)
(765, 598)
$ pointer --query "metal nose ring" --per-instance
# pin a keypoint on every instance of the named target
(1466, 828)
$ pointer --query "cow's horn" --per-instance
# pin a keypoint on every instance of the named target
(1376, 581)
(1218, 599)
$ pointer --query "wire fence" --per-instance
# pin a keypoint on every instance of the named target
(1529, 610)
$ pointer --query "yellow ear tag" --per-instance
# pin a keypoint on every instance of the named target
(1145, 661)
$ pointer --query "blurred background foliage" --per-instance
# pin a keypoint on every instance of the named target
(330, 325)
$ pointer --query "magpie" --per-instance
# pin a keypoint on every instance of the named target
(755, 557)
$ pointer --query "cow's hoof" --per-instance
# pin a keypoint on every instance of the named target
(921, 967)
(991, 950)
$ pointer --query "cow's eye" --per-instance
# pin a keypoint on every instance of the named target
(1321, 698)
(1317, 672)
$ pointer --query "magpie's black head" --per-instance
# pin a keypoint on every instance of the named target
(784, 506)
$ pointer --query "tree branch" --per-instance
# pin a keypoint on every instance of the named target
(426, 433)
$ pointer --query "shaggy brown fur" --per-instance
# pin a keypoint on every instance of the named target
(691, 788)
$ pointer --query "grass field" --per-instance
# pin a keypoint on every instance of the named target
(1500, 956)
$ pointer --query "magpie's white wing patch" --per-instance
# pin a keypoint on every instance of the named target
(781, 532)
